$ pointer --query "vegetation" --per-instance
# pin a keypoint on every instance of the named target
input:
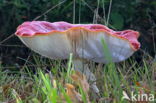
(28, 77)
(48, 83)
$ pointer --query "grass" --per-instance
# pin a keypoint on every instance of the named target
(45, 87)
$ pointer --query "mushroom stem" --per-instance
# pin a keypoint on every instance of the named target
(82, 67)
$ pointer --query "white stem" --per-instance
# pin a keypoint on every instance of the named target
(80, 66)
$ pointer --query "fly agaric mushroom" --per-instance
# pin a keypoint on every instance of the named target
(57, 40)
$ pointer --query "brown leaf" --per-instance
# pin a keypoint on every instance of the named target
(5, 88)
(80, 79)
(72, 94)
(76, 97)
(143, 89)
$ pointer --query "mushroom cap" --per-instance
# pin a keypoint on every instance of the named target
(58, 39)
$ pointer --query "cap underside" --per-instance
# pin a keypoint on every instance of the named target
(58, 46)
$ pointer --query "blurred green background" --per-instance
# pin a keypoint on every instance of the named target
(138, 15)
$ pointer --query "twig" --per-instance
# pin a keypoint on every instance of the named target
(73, 11)
(20, 46)
(28, 66)
(109, 11)
(7, 38)
(49, 10)
(27, 60)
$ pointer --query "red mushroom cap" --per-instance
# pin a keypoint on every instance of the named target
(57, 40)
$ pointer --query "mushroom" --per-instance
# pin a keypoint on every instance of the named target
(58, 39)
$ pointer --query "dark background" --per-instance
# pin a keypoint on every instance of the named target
(138, 15)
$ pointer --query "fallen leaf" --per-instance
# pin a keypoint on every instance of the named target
(143, 89)
(80, 79)
(72, 94)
